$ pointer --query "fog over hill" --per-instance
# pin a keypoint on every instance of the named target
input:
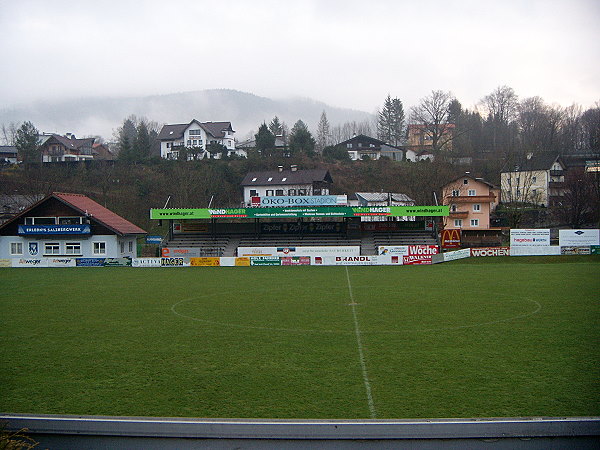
(102, 115)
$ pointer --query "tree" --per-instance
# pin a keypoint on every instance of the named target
(323, 133)
(27, 143)
(390, 121)
(433, 114)
(215, 149)
(301, 140)
(590, 122)
(276, 127)
(501, 108)
(142, 144)
(126, 136)
(265, 140)
(579, 204)
(336, 152)
(9, 133)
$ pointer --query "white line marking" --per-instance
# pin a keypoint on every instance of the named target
(361, 354)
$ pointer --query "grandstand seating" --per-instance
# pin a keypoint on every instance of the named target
(226, 245)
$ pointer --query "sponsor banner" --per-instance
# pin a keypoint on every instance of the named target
(242, 261)
(153, 239)
(419, 254)
(172, 262)
(299, 251)
(451, 256)
(578, 238)
(295, 261)
(529, 237)
(117, 262)
(312, 200)
(145, 262)
(5, 262)
(227, 261)
(575, 250)
(54, 229)
(29, 262)
(450, 238)
(397, 225)
(172, 252)
(265, 261)
(303, 227)
(300, 211)
(547, 250)
(344, 260)
(89, 262)
(205, 262)
(595, 249)
(398, 250)
(490, 251)
(61, 262)
(416, 260)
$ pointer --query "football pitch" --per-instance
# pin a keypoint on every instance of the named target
(487, 337)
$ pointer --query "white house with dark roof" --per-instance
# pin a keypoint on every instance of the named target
(194, 137)
(280, 183)
(57, 148)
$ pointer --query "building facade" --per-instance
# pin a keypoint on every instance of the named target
(57, 148)
(471, 201)
(365, 147)
(68, 225)
(195, 139)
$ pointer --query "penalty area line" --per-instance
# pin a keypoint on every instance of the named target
(361, 353)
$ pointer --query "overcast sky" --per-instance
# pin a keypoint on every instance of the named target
(346, 53)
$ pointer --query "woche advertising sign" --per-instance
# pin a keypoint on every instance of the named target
(529, 237)
(299, 211)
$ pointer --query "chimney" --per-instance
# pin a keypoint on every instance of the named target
(280, 168)
(294, 168)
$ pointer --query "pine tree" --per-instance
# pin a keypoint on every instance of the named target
(323, 133)
(265, 140)
(27, 143)
(276, 127)
(301, 140)
(390, 121)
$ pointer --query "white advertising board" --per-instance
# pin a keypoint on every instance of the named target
(29, 262)
(535, 250)
(349, 250)
(146, 262)
(61, 262)
(578, 238)
(458, 254)
(227, 261)
(529, 237)
(344, 260)
(400, 250)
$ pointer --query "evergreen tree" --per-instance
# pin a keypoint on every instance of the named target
(265, 140)
(142, 145)
(276, 127)
(27, 143)
(390, 121)
(127, 135)
(301, 140)
(398, 121)
(323, 133)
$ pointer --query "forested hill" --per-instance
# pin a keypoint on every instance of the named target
(101, 115)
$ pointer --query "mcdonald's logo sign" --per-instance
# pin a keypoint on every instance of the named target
(450, 238)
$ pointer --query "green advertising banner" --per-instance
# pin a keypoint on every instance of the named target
(325, 211)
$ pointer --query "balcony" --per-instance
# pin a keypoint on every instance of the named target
(459, 214)
(470, 199)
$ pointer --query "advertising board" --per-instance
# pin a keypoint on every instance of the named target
(529, 237)
(89, 262)
(172, 252)
(295, 261)
(54, 229)
(205, 262)
(244, 262)
(117, 262)
(450, 238)
(5, 262)
(61, 262)
(595, 249)
(309, 200)
(578, 238)
(457, 254)
(300, 211)
(399, 250)
(29, 262)
(547, 250)
(153, 239)
(299, 251)
(490, 251)
(576, 250)
(145, 262)
(172, 262)
(419, 254)
(265, 261)
(302, 227)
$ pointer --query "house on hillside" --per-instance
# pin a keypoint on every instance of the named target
(68, 225)
(57, 148)
(537, 179)
(471, 201)
(280, 147)
(363, 147)
(281, 183)
(8, 154)
(102, 152)
(195, 139)
(420, 137)
(418, 155)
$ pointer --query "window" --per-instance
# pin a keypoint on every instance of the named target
(130, 246)
(301, 191)
(291, 191)
(168, 145)
(476, 207)
(457, 223)
(16, 248)
(122, 247)
(465, 181)
(472, 192)
(52, 248)
(279, 192)
(253, 193)
(195, 132)
(195, 142)
(474, 222)
(73, 248)
(455, 193)
(453, 208)
(99, 248)
(534, 179)
(270, 192)
(348, 145)
(69, 220)
(175, 155)
(189, 142)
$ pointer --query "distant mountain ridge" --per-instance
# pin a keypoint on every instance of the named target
(246, 111)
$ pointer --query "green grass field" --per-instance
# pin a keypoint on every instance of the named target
(476, 338)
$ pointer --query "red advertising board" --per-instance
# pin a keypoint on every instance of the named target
(450, 238)
(419, 254)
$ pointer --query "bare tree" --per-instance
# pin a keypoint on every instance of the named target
(323, 133)
(9, 133)
(432, 114)
(501, 109)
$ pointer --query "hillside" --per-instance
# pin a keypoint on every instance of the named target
(102, 115)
